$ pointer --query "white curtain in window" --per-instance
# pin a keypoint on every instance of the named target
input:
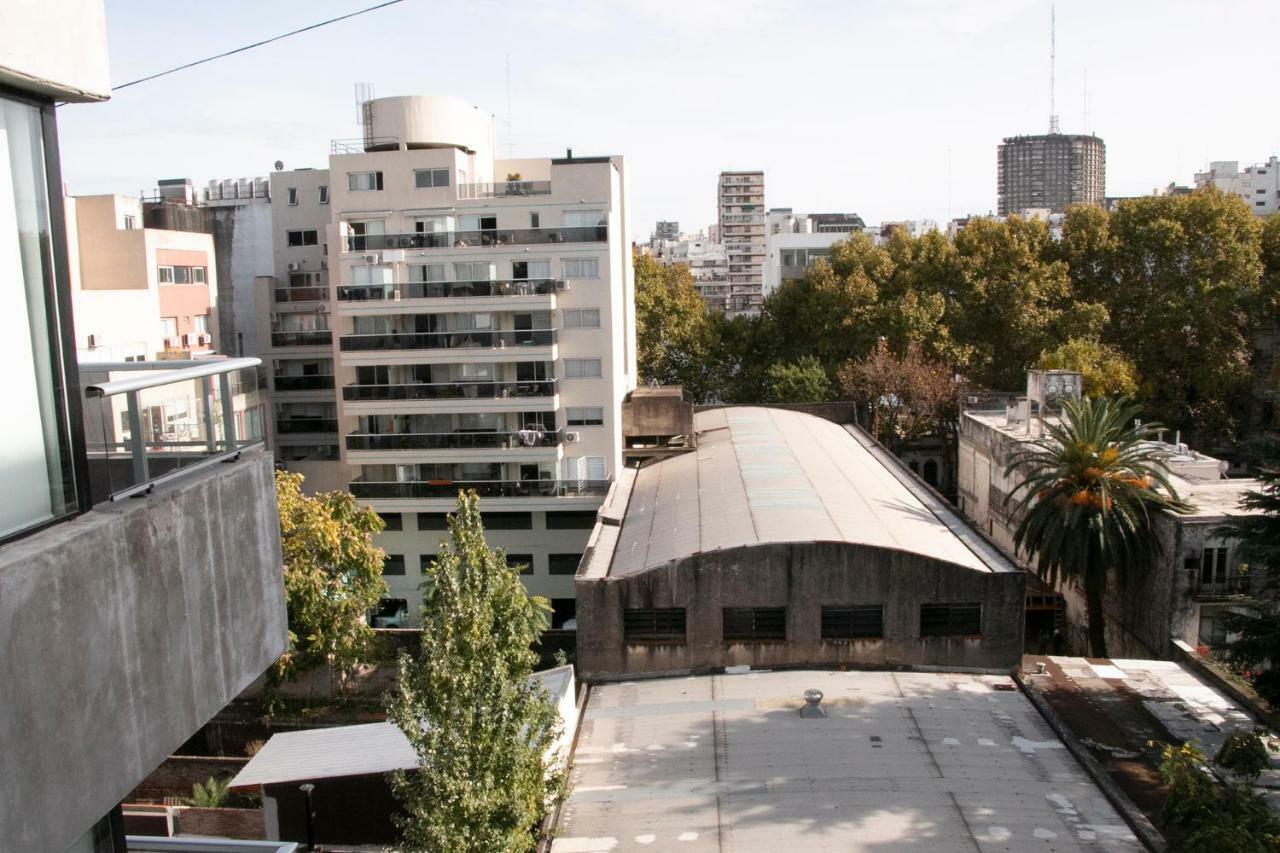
(583, 218)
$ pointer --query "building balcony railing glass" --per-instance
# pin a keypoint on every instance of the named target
(307, 338)
(451, 390)
(293, 426)
(486, 237)
(484, 488)
(301, 294)
(449, 289)
(517, 439)
(303, 383)
(504, 189)
(448, 340)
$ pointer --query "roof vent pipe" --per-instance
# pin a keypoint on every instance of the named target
(568, 154)
(813, 709)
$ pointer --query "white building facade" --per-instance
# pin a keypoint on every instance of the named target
(796, 241)
(1258, 185)
(707, 260)
(741, 227)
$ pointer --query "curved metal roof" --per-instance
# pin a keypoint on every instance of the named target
(762, 475)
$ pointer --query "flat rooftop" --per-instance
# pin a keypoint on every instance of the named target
(763, 475)
(905, 761)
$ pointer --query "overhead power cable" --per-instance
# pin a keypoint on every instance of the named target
(255, 44)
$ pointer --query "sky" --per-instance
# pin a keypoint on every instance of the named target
(888, 108)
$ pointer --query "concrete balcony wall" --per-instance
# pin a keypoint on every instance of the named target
(125, 630)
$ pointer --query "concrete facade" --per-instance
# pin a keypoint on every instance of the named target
(56, 49)
(1051, 171)
(1258, 185)
(741, 228)
(125, 630)
(706, 259)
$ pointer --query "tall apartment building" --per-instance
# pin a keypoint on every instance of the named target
(741, 227)
(666, 229)
(452, 321)
(1258, 185)
(707, 261)
(1050, 171)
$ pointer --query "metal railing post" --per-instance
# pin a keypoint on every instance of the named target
(210, 427)
(137, 441)
(228, 410)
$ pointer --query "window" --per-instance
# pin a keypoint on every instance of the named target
(424, 562)
(306, 237)
(950, 620)
(182, 275)
(507, 520)
(522, 563)
(653, 624)
(852, 623)
(164, 275)
(364, 181)
(747, 624)
(433, 521)
(580, 267)
(293, 196)
(392, 520)
(394, 565)
(198, 275)
(585, 416)
(324, 195)
(582, 368)
(130, 222)
(583, 218)
(582, 318)
(563, 564)
(577, 520)
(1213, 565)
(535, 219)
(427, 178)
(201, 322)
(170, 326)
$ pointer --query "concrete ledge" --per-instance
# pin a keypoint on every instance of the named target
(1133, 816)
(1252, 702)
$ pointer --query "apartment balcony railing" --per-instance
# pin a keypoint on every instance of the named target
(1239, 586)
(484, 488)
(308, 338)
(363, 144)
(487, 237)
(293, 426)
(301, 294)
(449, 289)
(456, 440)
(504, 189)
(303, 383)
(450, 391)
(448, 340)
(165, 418)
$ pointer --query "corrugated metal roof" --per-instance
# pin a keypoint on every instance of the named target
(764, 475)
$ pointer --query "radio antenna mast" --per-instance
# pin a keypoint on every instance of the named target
(1053, 57)
(510, 156)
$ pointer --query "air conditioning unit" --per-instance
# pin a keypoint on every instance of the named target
(561, 284)
(206, 338)
(187, 340)
(570, 437)
(294, 266)
(170, 343)
(371, 259)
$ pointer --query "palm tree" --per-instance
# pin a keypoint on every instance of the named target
(1092, 488)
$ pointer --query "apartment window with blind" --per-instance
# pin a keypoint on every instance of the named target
(582, 368)
(304, 237)
(950, 620)
(293, 196)
(580, 267)
(429, 178)
(582, 318)
(585, 416)
(754, 624)
(862, 622)
(393, 565)
(364, 181)
(324, 195)
(653, 624)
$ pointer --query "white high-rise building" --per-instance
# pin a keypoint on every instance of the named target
(707, 261)
(741, 227)
(796, 241)
(1258, 185)
(478, 321)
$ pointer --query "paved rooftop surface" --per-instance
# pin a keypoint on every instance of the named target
(770, 475)
(905, 761)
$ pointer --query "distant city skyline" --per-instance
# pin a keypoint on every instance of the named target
(892, 110)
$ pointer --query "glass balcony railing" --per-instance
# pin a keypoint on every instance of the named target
(303, 383)
(450, 390)
(484, 488)
(148, 421)
(514, 440)
(301, 294)
(448, 289)
(294, 426)
(504, 189)
(308, 338)
(448, 340)
(486, 237)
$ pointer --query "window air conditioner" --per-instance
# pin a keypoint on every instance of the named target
(561, 284)
(570, 437)
(206, 338)
(371, 259)
(294, 266)
(186, 340)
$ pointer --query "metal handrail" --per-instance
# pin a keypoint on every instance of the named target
(194, 370)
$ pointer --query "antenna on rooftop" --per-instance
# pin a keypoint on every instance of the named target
(1053, 57)
(508, 120)
(1086, 100)
(364, 115)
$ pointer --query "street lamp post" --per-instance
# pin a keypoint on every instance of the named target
(306, 790)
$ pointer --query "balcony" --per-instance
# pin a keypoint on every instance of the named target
(465, 239)
(519, 439)
(1223, 589)
(505, 189)
(303, 383)
(307, 338)
(449, 289)
(294, 426)
(448, 340)
(484, 488)
(301, 294)
(451, 391)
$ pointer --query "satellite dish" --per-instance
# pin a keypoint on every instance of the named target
(279, 165)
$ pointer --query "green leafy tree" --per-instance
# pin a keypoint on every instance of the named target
(211, 794)
(480, 726)
(1107, 371)
(1202, 814)
(673, 331)
(1092, 488)
(332, 578)
(801, 381)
